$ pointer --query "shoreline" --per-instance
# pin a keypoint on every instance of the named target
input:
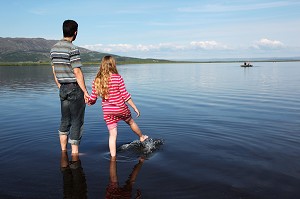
(148, 62)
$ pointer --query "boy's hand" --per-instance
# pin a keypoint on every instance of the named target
(86, 97)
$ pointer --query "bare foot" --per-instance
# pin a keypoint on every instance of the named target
(143, 138)
(113, 158)
(75, 157)
(64, 162)
(142, 159)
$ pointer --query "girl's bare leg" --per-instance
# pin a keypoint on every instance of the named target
(135, 128)
(113, 141)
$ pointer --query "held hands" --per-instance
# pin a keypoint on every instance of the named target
(86, 97)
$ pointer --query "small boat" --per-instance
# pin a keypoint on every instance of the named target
(246, 64)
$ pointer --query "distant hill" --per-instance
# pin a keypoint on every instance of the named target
(38, 49)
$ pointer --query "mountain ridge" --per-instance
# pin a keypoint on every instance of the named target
(37, 50)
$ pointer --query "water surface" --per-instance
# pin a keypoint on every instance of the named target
(227, 131)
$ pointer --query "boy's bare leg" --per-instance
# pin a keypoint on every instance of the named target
(63, 142)
(74, 149)
(135, 128)
(112, 142)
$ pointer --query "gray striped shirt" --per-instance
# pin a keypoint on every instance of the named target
(65, 56)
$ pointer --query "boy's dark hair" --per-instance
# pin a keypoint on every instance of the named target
(69, 28)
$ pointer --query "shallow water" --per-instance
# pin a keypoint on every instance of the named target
(223, 132)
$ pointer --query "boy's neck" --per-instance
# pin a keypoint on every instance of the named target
(70, 39)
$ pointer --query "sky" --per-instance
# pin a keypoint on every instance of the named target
(163, 29)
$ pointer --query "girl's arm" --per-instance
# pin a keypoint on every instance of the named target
(93, 97)
(131, 103)
(126, 96)
(124, 93)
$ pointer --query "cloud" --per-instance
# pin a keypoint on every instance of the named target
(232, 8)
(112, 48)
(120, 48)
(39, 11)
(267, 44)
(209, 48)
(208, 45)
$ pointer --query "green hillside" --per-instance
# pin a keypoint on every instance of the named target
(31, 51)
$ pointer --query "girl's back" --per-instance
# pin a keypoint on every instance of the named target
(118, 94)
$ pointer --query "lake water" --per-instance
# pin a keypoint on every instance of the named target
(224, 132)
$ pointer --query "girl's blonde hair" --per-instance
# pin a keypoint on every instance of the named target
(107, 67)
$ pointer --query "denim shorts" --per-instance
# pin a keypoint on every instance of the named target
(72, 112)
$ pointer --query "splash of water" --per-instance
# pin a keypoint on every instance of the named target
(137, 148)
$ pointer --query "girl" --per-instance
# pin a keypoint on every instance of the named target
(109, 85)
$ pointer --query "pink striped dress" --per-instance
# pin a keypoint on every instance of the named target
(114, 108)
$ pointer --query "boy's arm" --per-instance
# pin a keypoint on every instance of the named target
(80, 80)
(55, 79)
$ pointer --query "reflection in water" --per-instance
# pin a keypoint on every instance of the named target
(74, 182)
(113, 189)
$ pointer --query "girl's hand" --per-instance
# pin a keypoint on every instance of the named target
(137, 112)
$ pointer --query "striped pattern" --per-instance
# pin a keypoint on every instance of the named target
(64, 57)
(114, 108)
